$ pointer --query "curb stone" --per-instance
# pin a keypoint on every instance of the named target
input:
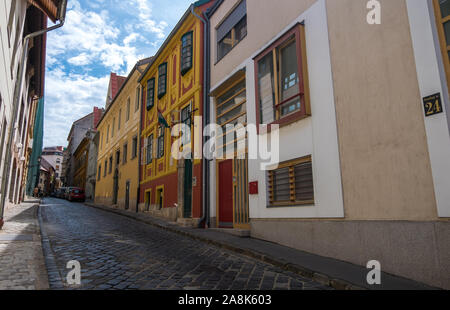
(54, 277)
(337, 284)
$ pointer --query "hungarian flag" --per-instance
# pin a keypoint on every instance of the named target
(162, 120)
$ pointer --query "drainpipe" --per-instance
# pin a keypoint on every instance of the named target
(16, 100)
(205, 171)
(138, 197)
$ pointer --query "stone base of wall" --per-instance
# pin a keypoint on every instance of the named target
(169, 214)
(416, 250)
(213, 222)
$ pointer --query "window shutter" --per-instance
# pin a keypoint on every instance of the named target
(232, 20)
(304, 189)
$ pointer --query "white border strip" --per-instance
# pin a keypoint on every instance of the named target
(426, 51)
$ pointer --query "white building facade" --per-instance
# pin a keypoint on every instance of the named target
(363, 121)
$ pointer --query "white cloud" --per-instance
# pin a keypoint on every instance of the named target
(80, 60)
(72, 96)
(93, 36)
(146, 22)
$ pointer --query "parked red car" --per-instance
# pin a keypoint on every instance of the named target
(76, 194)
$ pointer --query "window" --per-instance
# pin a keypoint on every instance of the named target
(292, 183)
(442, 8)
(4, 126)
(106, 166)
(149, 149)
(160, 197)
(113, 127)
(99, 172)
(147, 200)
(127, 117)
(125, 153)
(134, 150)
(161, 130)
(162, 80)
(186, 52)
(282, 90)
(15, 46)
(186, 119)
(11, 20)
(150, 94)
(232, 30)
(117, 158)
(120, 119)
(138, 98)
(231, 110)
(110, 164)
(107, 135)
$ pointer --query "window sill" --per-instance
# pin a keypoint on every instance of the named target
(309, 203)
(218, 60)
(285, 121)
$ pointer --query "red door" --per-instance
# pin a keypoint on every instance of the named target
(226, 194)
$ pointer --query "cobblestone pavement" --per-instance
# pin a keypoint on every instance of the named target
(116, 252)
(21, 258)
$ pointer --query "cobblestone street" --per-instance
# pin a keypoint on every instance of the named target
(119, 253)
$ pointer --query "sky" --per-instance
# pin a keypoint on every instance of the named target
(99, 37)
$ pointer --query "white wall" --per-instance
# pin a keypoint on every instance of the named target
(316, 135)
(432, 79)
(6, 83)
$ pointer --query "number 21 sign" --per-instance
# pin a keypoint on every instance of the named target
(433, 104)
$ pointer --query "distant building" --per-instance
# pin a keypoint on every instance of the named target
(54, 156)
(115, 84)
(86, 163)
(76, 135)
(46, 182)
(118, 148)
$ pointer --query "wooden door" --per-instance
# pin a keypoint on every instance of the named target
(187, 212)
(226, 194)
(127, 196)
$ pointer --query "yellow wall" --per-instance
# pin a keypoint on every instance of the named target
(108, 146)
(181, 91)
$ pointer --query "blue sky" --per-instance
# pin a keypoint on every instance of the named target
(99, 37)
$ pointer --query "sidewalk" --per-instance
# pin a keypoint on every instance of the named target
(21, 258)
(337, 274)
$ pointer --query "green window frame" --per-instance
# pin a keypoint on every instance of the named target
(149, 149)
(161, 133)
(186, 52)
(162, 80)
(150, 93)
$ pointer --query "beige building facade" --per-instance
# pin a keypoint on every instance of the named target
(118, 151)
(367, 106)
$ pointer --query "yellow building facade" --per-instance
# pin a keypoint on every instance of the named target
(118, 152)
(173, 93)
